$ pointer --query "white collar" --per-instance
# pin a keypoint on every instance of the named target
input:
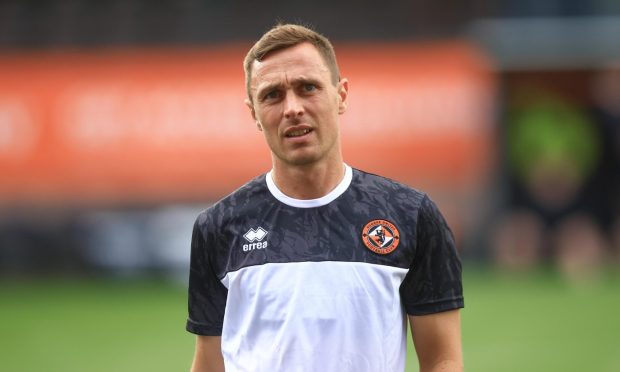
(311, 203)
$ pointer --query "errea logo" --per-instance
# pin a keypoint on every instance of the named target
(253, 235)
(255, 238)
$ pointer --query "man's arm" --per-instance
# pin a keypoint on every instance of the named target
(437, 340)
(208, 355)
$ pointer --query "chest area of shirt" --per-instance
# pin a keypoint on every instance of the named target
(318, 234)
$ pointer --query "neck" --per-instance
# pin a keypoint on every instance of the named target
(310, 181)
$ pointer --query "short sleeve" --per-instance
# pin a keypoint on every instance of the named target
(433, 283)
(206, 294)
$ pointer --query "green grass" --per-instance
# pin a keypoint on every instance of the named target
(534, 322)
(93, 326)
(539, 322)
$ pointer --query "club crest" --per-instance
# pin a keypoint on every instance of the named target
(380, 236)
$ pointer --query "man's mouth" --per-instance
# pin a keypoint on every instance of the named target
(298, 132)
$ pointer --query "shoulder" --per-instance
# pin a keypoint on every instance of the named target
(386, 190)
(245, 198)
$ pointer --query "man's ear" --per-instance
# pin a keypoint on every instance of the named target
(343, 92)
(253, 113)
(251, 107)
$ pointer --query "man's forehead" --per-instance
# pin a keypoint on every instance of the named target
(301, 53)
(292, 63)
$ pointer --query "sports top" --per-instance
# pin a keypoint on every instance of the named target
(320, 285)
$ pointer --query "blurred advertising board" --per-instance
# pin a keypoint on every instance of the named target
(169, 125)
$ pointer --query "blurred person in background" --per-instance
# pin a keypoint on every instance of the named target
(315, 265)
(606, 111)
(558, 211)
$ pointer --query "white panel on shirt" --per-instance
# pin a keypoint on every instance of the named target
(314, 317)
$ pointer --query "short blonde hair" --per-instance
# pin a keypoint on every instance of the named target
(284, 36)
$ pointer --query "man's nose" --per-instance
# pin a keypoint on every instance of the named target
(292, 105)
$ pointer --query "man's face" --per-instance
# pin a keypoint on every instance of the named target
(296, 105)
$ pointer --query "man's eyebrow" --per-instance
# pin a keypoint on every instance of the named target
(305, 80)
(261, 89)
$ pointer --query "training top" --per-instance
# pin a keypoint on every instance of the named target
(321, 285)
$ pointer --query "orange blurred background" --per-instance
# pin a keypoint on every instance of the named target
(170, 125)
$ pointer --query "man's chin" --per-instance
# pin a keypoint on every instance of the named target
(303, 161)
(300, 159)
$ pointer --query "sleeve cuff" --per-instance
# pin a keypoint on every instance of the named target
(435, 307)
(203, 329)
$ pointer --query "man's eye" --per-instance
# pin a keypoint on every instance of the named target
(309, 87)
(271, 95)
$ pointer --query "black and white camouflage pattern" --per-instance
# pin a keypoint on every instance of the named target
(332, 232)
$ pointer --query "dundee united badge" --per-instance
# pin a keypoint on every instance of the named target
(380, 236)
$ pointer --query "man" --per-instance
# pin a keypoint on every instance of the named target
(314, 265)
